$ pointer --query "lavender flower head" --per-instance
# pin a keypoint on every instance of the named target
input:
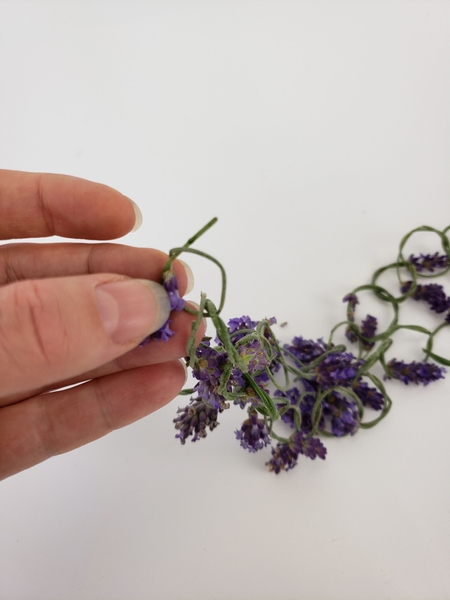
(239, 323)
(253, 433)
(309, 446)
(368, 395)
(368, 330)
(164, 334)
(306, 350)
(343, 413)
(283, 458)
(414, 372)
(429, 262)
(338, 368)
(170, 284)
(194, 419)
(210, 363)
(431, 293)
(254, 356)
(208, 370)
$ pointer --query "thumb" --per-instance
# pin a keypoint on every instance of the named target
(54, 329)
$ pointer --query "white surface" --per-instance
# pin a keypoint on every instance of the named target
(319, 133)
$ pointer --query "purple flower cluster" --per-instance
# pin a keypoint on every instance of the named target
(170, 284)
(194, 419)
(208, 371)
(254, 356)
(431, 293)
(209, 368)
(429, 262)
(368, 330)
(368, 326)
(414, 372)
(210, 363)
(368, 395)
(343, 414)
(330, 390)
(339, 411)
(338, 368)
(253, 433)
(306, 351)
(309, 446)
(284, 456)
(239, 323)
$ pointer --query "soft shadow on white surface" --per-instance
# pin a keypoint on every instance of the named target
(318, 133)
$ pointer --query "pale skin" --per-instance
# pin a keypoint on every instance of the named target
(50, 331)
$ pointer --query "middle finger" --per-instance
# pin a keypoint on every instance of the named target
(36, 261)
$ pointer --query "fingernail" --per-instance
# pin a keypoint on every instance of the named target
(186, 374)
(131, 309)
(189, 275)
(138, 215)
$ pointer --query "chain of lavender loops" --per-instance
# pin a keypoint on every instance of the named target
(331, 387)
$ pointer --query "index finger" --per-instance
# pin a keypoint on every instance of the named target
(43, 204)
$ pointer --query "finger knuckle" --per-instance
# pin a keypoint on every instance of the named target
(40, 316)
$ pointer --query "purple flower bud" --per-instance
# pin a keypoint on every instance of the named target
(352, 300)
(368, 330)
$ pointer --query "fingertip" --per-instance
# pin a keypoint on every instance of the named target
(131, 309)
(138, 216)
(86, 209)
(184, 275)
(186, 373)
(189, 276)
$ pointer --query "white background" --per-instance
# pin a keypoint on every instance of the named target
(319, 134)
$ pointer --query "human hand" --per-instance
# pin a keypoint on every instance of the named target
(76, 312)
